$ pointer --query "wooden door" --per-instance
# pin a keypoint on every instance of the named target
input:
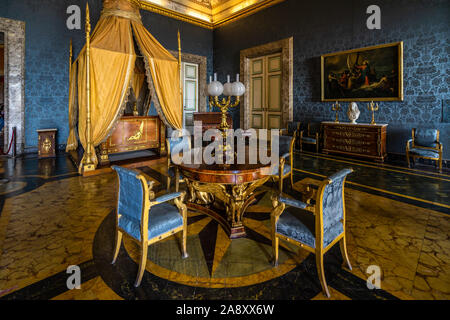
(265, 92)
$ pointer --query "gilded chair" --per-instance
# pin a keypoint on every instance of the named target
(424, 144)
(293, 130)
(286, 164)
(311, 136)
(145, 219)
(182, 143)
(315, 232)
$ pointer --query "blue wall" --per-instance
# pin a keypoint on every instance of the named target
(47, 55)
(318, 27)
(326, 26)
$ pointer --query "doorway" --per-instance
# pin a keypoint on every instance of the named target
(190, 86)
(2, 89)
(14, 82)
(265, 92)
(274, 69)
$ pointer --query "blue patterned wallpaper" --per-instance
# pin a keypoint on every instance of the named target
(47, 56)
(326, 26)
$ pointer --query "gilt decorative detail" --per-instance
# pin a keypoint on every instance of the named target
(46, 145)
(138, 135)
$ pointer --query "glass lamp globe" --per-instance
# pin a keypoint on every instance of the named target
(228, 89)
(238, 89)
(215, 89)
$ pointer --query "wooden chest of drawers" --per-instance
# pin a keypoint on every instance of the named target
(362, 140)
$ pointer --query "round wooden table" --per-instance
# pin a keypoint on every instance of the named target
(224, 191)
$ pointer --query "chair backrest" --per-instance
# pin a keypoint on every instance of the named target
(330, 222)
(292, 127)
(313, 128)
(285, 145)
(131, 200)
(427, 138)
(180, 143)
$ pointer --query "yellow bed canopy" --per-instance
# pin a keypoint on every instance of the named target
(111, 73)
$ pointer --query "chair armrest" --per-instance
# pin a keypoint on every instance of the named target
(167, 197)
(293, 203)
(285, 156)
(408, 143)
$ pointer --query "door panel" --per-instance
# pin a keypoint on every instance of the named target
(257, 94)
(265, 92)
(257, 66)
(257, 121)
(274, 93)
(275, 64)
(274, 121)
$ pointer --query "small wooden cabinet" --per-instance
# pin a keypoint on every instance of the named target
(211, 120)
(47, 143)
(362, 140)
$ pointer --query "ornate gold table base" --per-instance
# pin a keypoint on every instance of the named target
(224, 203)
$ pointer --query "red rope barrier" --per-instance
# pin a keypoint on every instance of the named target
(10, 145)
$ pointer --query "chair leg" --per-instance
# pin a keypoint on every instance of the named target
(117, 249)
(168, 184)
(185, 254)
(408, 160)
(275, 244)
(317, 147)
(281, 184)
(177, 180)
(292, 179)
(142, 265)
(440, 165)
(321, 273)
(343, 246)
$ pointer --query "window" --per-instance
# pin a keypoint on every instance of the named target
(190, 94)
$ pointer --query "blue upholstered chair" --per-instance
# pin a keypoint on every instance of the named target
(424, 144)
(293, 130)
(311, 136)
(286, 153)
(145, 219)
(180, 143)
(315, 232)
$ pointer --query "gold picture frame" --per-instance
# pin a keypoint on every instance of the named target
(366, 74)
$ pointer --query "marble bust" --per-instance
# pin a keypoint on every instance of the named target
(353, 112)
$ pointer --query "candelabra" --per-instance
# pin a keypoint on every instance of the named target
(372, 107)
(229, 90)
(215, 89)
(336, 108)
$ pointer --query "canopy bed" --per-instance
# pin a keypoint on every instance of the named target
(120, 71)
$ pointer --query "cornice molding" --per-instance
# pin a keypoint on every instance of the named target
(246, 12)
(206, 24)
(175, 15)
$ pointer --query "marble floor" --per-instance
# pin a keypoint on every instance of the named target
(51, 218)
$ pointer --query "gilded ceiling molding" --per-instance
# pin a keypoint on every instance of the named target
(175, 15)
(246, 12)
(218, 19)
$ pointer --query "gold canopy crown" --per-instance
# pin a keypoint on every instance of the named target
(128, 9)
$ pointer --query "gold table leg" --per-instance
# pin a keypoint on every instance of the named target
(234, 198)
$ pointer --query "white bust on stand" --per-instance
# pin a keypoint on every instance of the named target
(353, 112)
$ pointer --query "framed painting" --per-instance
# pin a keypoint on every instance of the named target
(365, 74)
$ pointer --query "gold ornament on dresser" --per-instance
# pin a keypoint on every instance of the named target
(373, 107)
(336, 108)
